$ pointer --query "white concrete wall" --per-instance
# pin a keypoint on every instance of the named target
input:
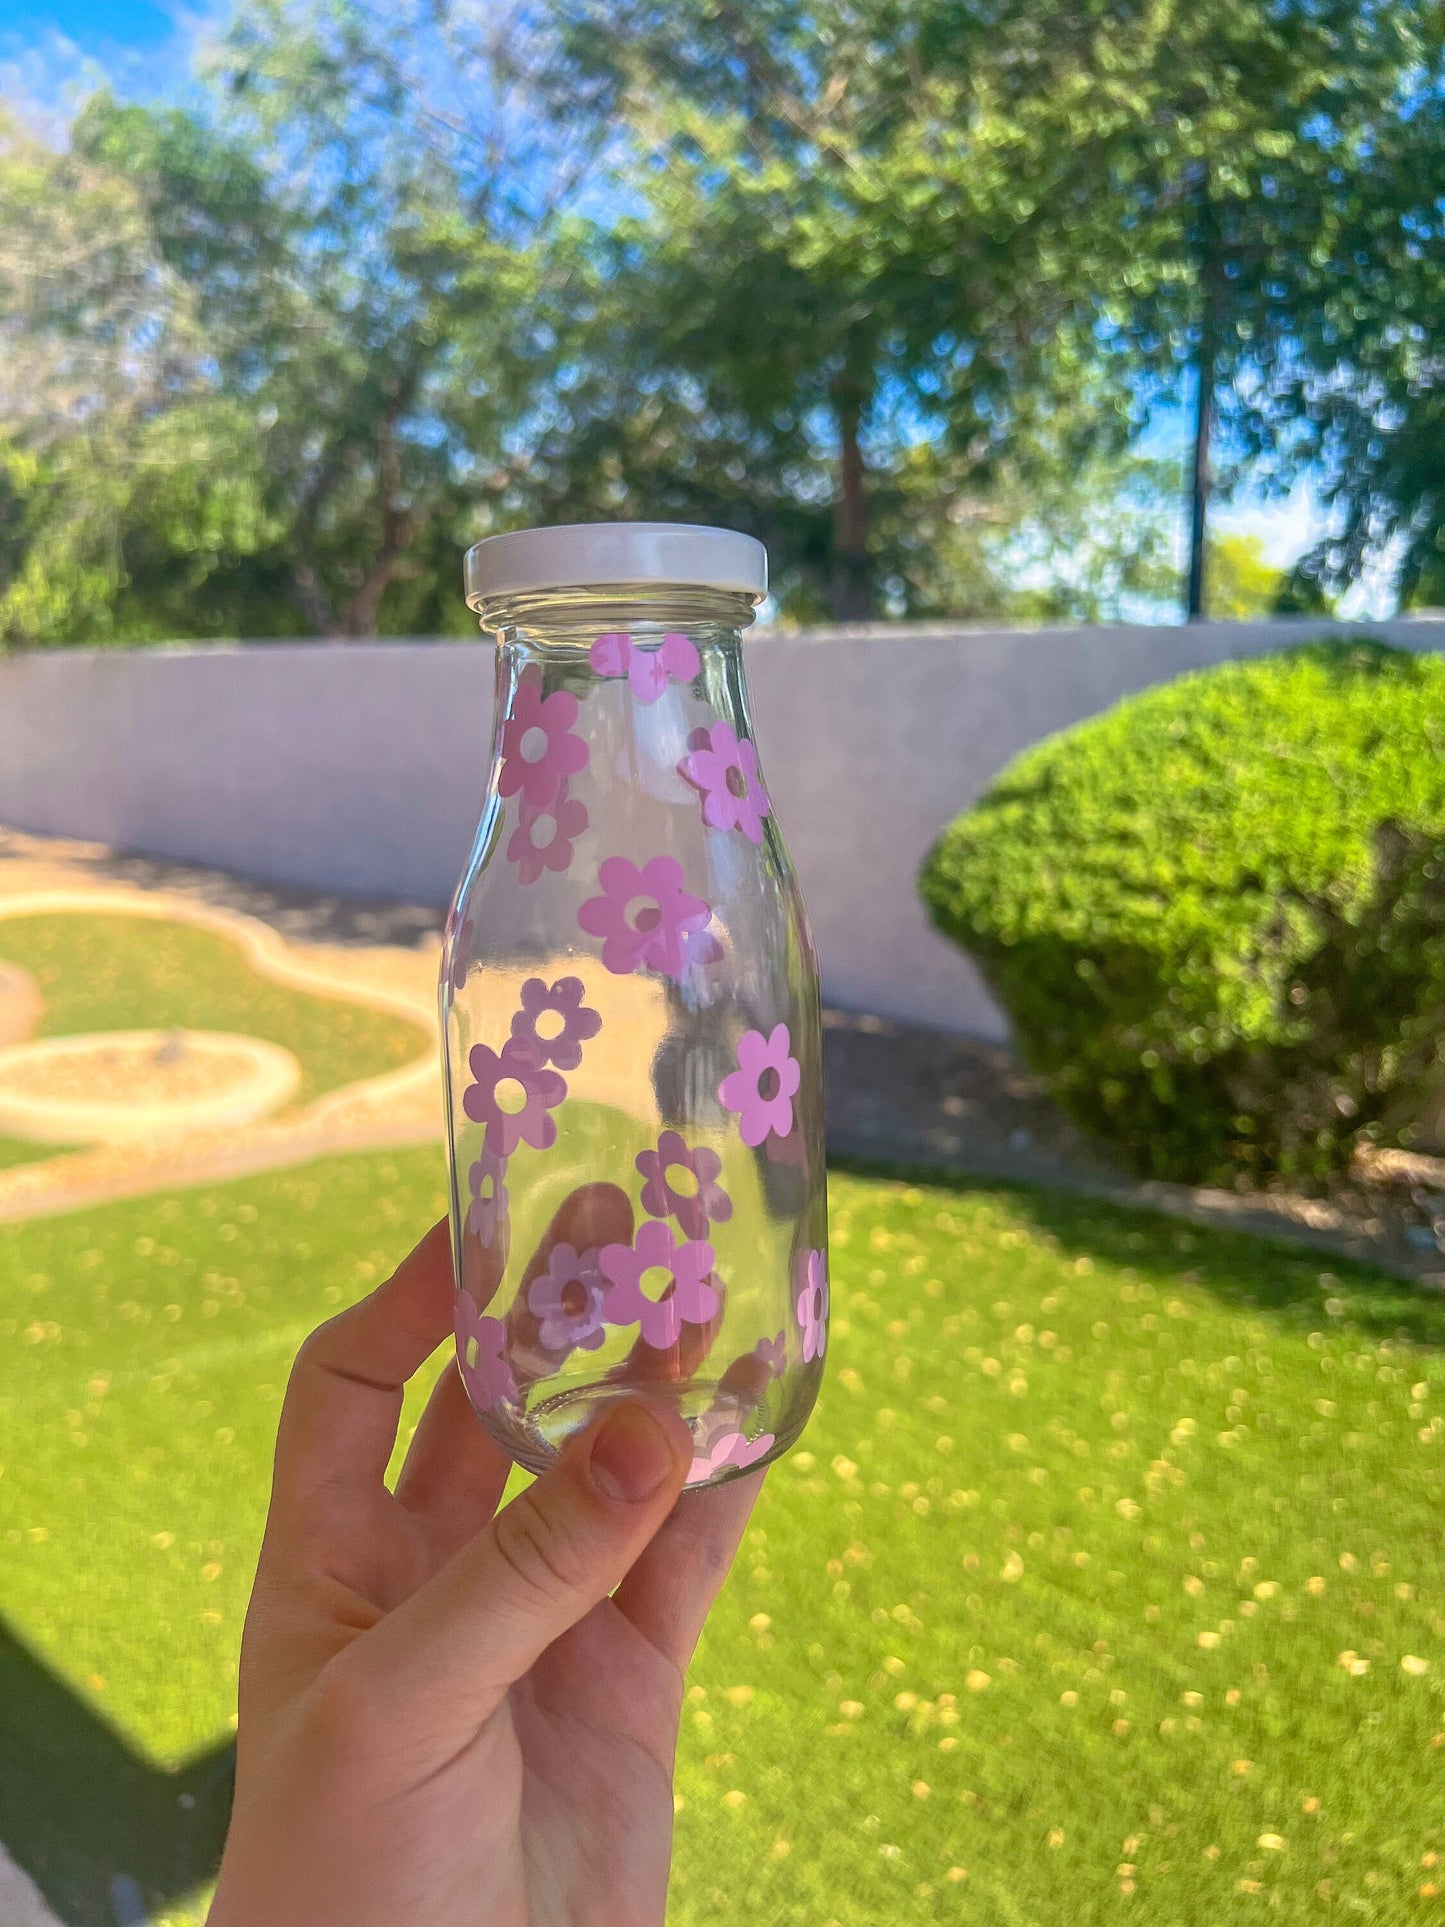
(358, 768)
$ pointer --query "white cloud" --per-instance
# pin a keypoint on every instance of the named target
(46, 75)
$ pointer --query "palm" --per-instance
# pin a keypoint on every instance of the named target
(555, 1808)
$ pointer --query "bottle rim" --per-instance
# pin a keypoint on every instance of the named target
(587, 556)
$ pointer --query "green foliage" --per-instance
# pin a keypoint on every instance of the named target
(270, 377)
(1216, 914)
(1239, 585)
(1090, 1508)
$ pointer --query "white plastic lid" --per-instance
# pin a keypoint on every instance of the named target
(585, 555)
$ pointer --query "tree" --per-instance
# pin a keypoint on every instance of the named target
(345, 294)
(1266, 171)
(841, 243)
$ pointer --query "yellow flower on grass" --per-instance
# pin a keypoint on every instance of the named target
(975, 1680)
(735, 1799)
(1414, 1665)
(1056, 1837)
(1271, 1842)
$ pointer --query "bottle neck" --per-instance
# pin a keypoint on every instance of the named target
(560, 621)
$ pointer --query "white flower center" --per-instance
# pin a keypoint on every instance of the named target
(511, 1096)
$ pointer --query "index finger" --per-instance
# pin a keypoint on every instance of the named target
(343, 1402)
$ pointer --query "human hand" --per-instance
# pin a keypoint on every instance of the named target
(447, 1714)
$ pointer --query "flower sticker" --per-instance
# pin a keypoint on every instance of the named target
(554, 1021)
(567, 1299)
(481, 1354)
(681, 1183)
(539, 751)
(724, 768)
(488, 1209)
(812, 1303)
(514, 1095)
(648, 671)
(683, 1293)
(646, 916)
(545, 834)
(729, 1449)
(761, 1089)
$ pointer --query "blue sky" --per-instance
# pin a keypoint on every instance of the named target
(54, 52)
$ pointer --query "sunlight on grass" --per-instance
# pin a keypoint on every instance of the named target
(113, 972)
(1110, 1570)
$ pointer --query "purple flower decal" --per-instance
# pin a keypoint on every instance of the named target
(730, 1449)
(481, 1353)
(645, 916)
(692, 1195)
(488, 1209)
(514, 1096)
(539, 752)
(724, 768)
(761, 1089)
(812, 1303)
(554, 1021)
(647, 670)
(684, 1292)
(566, 1300)
(545, 834)
(772, 1355)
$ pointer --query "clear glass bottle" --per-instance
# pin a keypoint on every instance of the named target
(629, 1000)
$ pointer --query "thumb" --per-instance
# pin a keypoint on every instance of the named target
(540, 1566)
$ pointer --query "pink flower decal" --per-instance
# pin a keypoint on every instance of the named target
(685, 1294)
(488, 1209)
(567, 1300)
(545, 834)
(697, 1203)
(610, 654)
(647, 670)
(481, 1353)
(647, 917)
(730, 1449)
(761, 1089)
(492, 1100)
(724, 767)
(569, 1022)
(539, 752)
(812, 1303)
(772, 1355)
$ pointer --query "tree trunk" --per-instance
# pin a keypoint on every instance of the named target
(851, 596)
(1211, 292)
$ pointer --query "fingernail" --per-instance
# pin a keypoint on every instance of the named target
(631, 1455)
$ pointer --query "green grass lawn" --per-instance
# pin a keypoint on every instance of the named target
(99, 971)
(1042, 1626)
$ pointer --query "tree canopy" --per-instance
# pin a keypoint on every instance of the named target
(894, 284)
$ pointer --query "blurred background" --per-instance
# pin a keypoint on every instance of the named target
(1081, 367)
(984, 312)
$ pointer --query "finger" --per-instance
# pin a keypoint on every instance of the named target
(592, 1215)
(338, 1424)
(669, 1592)
(543, 1563)
(454, 1472)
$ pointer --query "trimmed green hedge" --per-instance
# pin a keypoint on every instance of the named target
(1216, 914)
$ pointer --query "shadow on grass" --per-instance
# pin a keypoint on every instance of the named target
(79, 1808)
(1305, 1289)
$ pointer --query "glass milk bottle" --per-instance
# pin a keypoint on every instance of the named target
(629, 1000)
